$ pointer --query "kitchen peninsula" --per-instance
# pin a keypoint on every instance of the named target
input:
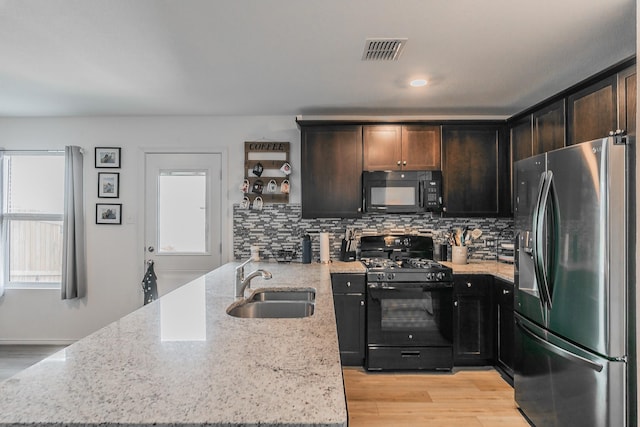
(182, 360)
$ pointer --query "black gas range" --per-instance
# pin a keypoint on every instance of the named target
(384, 270)
(409, 304)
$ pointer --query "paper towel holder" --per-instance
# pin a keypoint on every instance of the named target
(325, 256)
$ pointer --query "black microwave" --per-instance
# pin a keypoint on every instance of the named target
(402, 192)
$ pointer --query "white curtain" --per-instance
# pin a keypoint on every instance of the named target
(74, 270)
(3, 233)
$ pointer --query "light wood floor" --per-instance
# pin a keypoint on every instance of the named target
(15, 358)
(465, 398)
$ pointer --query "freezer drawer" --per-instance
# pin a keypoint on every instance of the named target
(558, 384)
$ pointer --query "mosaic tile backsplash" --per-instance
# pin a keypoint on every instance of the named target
(280, 226)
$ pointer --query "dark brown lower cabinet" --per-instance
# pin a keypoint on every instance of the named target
(505, 324)
(474, 320)
(350, 308)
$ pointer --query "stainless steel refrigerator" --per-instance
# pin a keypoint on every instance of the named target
(574, 274)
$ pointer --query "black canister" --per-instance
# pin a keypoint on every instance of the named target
(306, 249)
(444, 249)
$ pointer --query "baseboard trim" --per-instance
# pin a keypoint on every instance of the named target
(37, 342)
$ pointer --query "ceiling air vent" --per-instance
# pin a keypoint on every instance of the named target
(383, 49)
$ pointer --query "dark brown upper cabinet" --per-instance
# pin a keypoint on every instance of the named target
(549, 128)
(475, 167)
(331, 159)
(521, 139)
(396, 147)
(593, 111)
(627, 100)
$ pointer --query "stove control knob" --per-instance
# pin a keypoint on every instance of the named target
(391, 276)
(440, 275)
(380, 276)
(429, 276)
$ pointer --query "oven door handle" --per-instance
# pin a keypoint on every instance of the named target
(376, 294)
(409, 289)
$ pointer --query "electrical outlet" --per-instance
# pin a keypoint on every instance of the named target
(489, 242)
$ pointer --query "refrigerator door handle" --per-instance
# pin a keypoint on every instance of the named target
(558, 350)
(541, 239)
(537, 239)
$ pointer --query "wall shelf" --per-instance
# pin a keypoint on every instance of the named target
(272, 156)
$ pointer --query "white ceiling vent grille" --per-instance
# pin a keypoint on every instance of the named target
(383, 49)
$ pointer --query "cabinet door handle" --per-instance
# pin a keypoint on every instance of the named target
(362, 303)
(404, 163)
(505, 292)
(468, 284)
(455, 303)
(348, 284)
(399, 162)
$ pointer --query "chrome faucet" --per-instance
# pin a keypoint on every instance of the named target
(243, 282)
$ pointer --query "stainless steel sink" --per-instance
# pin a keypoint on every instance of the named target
(271, 309)
(275, 303)
(305, 294)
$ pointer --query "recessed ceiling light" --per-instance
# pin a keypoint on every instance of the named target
(418, 82)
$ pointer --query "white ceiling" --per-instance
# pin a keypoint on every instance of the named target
(292, 57)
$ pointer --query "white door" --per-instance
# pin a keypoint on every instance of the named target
(183, 218)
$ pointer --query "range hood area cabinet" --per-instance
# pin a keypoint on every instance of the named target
(401, 147)
(331, 161)
(474, 167)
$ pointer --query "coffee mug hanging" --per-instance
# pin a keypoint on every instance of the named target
(257, 169)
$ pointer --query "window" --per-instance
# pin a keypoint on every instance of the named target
(32, 214)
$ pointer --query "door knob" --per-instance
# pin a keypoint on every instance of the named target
(151, 249)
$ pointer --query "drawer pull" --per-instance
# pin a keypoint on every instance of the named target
(410, 353)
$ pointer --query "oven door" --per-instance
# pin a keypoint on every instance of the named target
(410, 314)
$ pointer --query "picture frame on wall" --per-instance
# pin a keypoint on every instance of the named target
(108, 185)
(108, 213)
(107, 157)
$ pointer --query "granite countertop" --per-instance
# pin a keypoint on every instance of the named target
(494, 268)
(182, 360)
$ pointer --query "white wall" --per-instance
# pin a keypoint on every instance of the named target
(114, 253)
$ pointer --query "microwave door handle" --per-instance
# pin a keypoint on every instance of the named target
(421, 202)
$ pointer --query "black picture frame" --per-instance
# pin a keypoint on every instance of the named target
(107, 157)
(108, 185)
(109, 213)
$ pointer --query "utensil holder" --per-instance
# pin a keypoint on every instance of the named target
(459, 254)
